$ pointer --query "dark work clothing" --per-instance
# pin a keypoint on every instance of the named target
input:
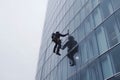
(58, 35)
(58, 46)
(56, 39)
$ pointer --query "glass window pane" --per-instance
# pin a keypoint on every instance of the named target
(102, 43)
(64, 68)
(83, 49)
(59, 72)
(92, 23)
(71, 26)
(94, 3)
(94, 72)
(77, 20)
(117, 16)
(88, 7)
(89, 24)
(92, 46)
(97, 16)
(90, 49)
(83, 2)
(112, 31)
(115, 54)
(82, 14)
(81, 32)
(84, 75)
(116, 4)
(106, 8)
(106, 67)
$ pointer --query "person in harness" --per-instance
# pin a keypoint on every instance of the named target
(56, 39)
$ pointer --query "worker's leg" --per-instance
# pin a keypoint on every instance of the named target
(54, 50)
(59, 46)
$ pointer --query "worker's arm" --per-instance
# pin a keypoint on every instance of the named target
(63, 35)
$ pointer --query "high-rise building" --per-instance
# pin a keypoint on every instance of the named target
(95, 25)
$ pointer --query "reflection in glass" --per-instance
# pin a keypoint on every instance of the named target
(116, 4)
(106, 67)
(101, 39)
(83, 49)
(112, 31)
(84, 75)
(92, 49)
(97, 16)
(115, 54)
(106, 8)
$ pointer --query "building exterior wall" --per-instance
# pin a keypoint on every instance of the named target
(95, 25)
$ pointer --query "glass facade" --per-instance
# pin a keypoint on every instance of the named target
(95, 25)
